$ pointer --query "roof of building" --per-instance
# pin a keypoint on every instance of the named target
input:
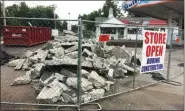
(150, 22)
(112, 22)
(135, 20)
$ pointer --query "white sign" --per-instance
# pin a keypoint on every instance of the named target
(54, 32)
(154, 48)
(127, 4)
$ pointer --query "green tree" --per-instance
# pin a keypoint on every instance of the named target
(64, 25)
(22, 10)
(106, 7)
(98, 13)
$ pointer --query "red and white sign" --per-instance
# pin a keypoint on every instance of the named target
(104, 38)
(154, 48)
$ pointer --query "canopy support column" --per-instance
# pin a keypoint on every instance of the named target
(180, 29)
(169, 27)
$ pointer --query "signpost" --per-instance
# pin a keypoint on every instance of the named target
(154, 48)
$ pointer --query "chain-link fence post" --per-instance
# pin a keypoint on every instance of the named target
(169, 56)
(79, 62)
(135, 58)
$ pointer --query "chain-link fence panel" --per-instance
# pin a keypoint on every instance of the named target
(41, 61)
(177, 53)
(113, 64)
(73, 66)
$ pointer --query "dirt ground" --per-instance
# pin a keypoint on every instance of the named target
(159, 96)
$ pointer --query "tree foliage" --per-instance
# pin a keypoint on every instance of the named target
(22, 10)
(103, 12)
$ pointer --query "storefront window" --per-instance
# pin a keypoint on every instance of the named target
(134, 30)
(108, 31)
(162, 29)
(152, 29)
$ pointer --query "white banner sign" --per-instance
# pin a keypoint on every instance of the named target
(154, 48)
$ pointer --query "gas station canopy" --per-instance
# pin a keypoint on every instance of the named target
(157, 9)
(160, 9)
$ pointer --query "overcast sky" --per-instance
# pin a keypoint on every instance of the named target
(64, 7)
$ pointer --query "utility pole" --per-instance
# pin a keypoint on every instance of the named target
(4, 14)
(69, 27)
(54, 6)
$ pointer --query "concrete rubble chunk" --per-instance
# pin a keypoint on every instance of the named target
(13, 63)
(69, 32)
(85, 73)
(67, 73)
(87, 46)
(113, 60)
(49, 57)
(26, 64)
(59, 52)
(106, 63)
(48, 46)
(87, 64)
(37, 70)
(28, 53)
(33, 59)
(98, 63)
(108, 48)
(69, 43)
(120, 62)
(110, 74)
(73, 55)
(126, 67)
(96, 93)
(60, 77)
(71, 38)
(97, 80)
(22, 80)
(67, 61)
(108, 85)
(46, 81)
(120, 52)
(119, 72)
(85, 84)
(56, 44)
(50, 94)
(103, 72)
(99, 51)
(71, 49)
(59, 84)
(88, 59)
(86, 98)
(112, 66)
(19, 64)
(40, 56)
(67, 98)
(86, 53)
(37, 85)
(72, 81)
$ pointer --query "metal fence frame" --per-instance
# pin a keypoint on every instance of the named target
(80, 36)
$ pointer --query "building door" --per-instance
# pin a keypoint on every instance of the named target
(120, 33)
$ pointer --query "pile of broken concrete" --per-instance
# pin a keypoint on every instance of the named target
(52, 70)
